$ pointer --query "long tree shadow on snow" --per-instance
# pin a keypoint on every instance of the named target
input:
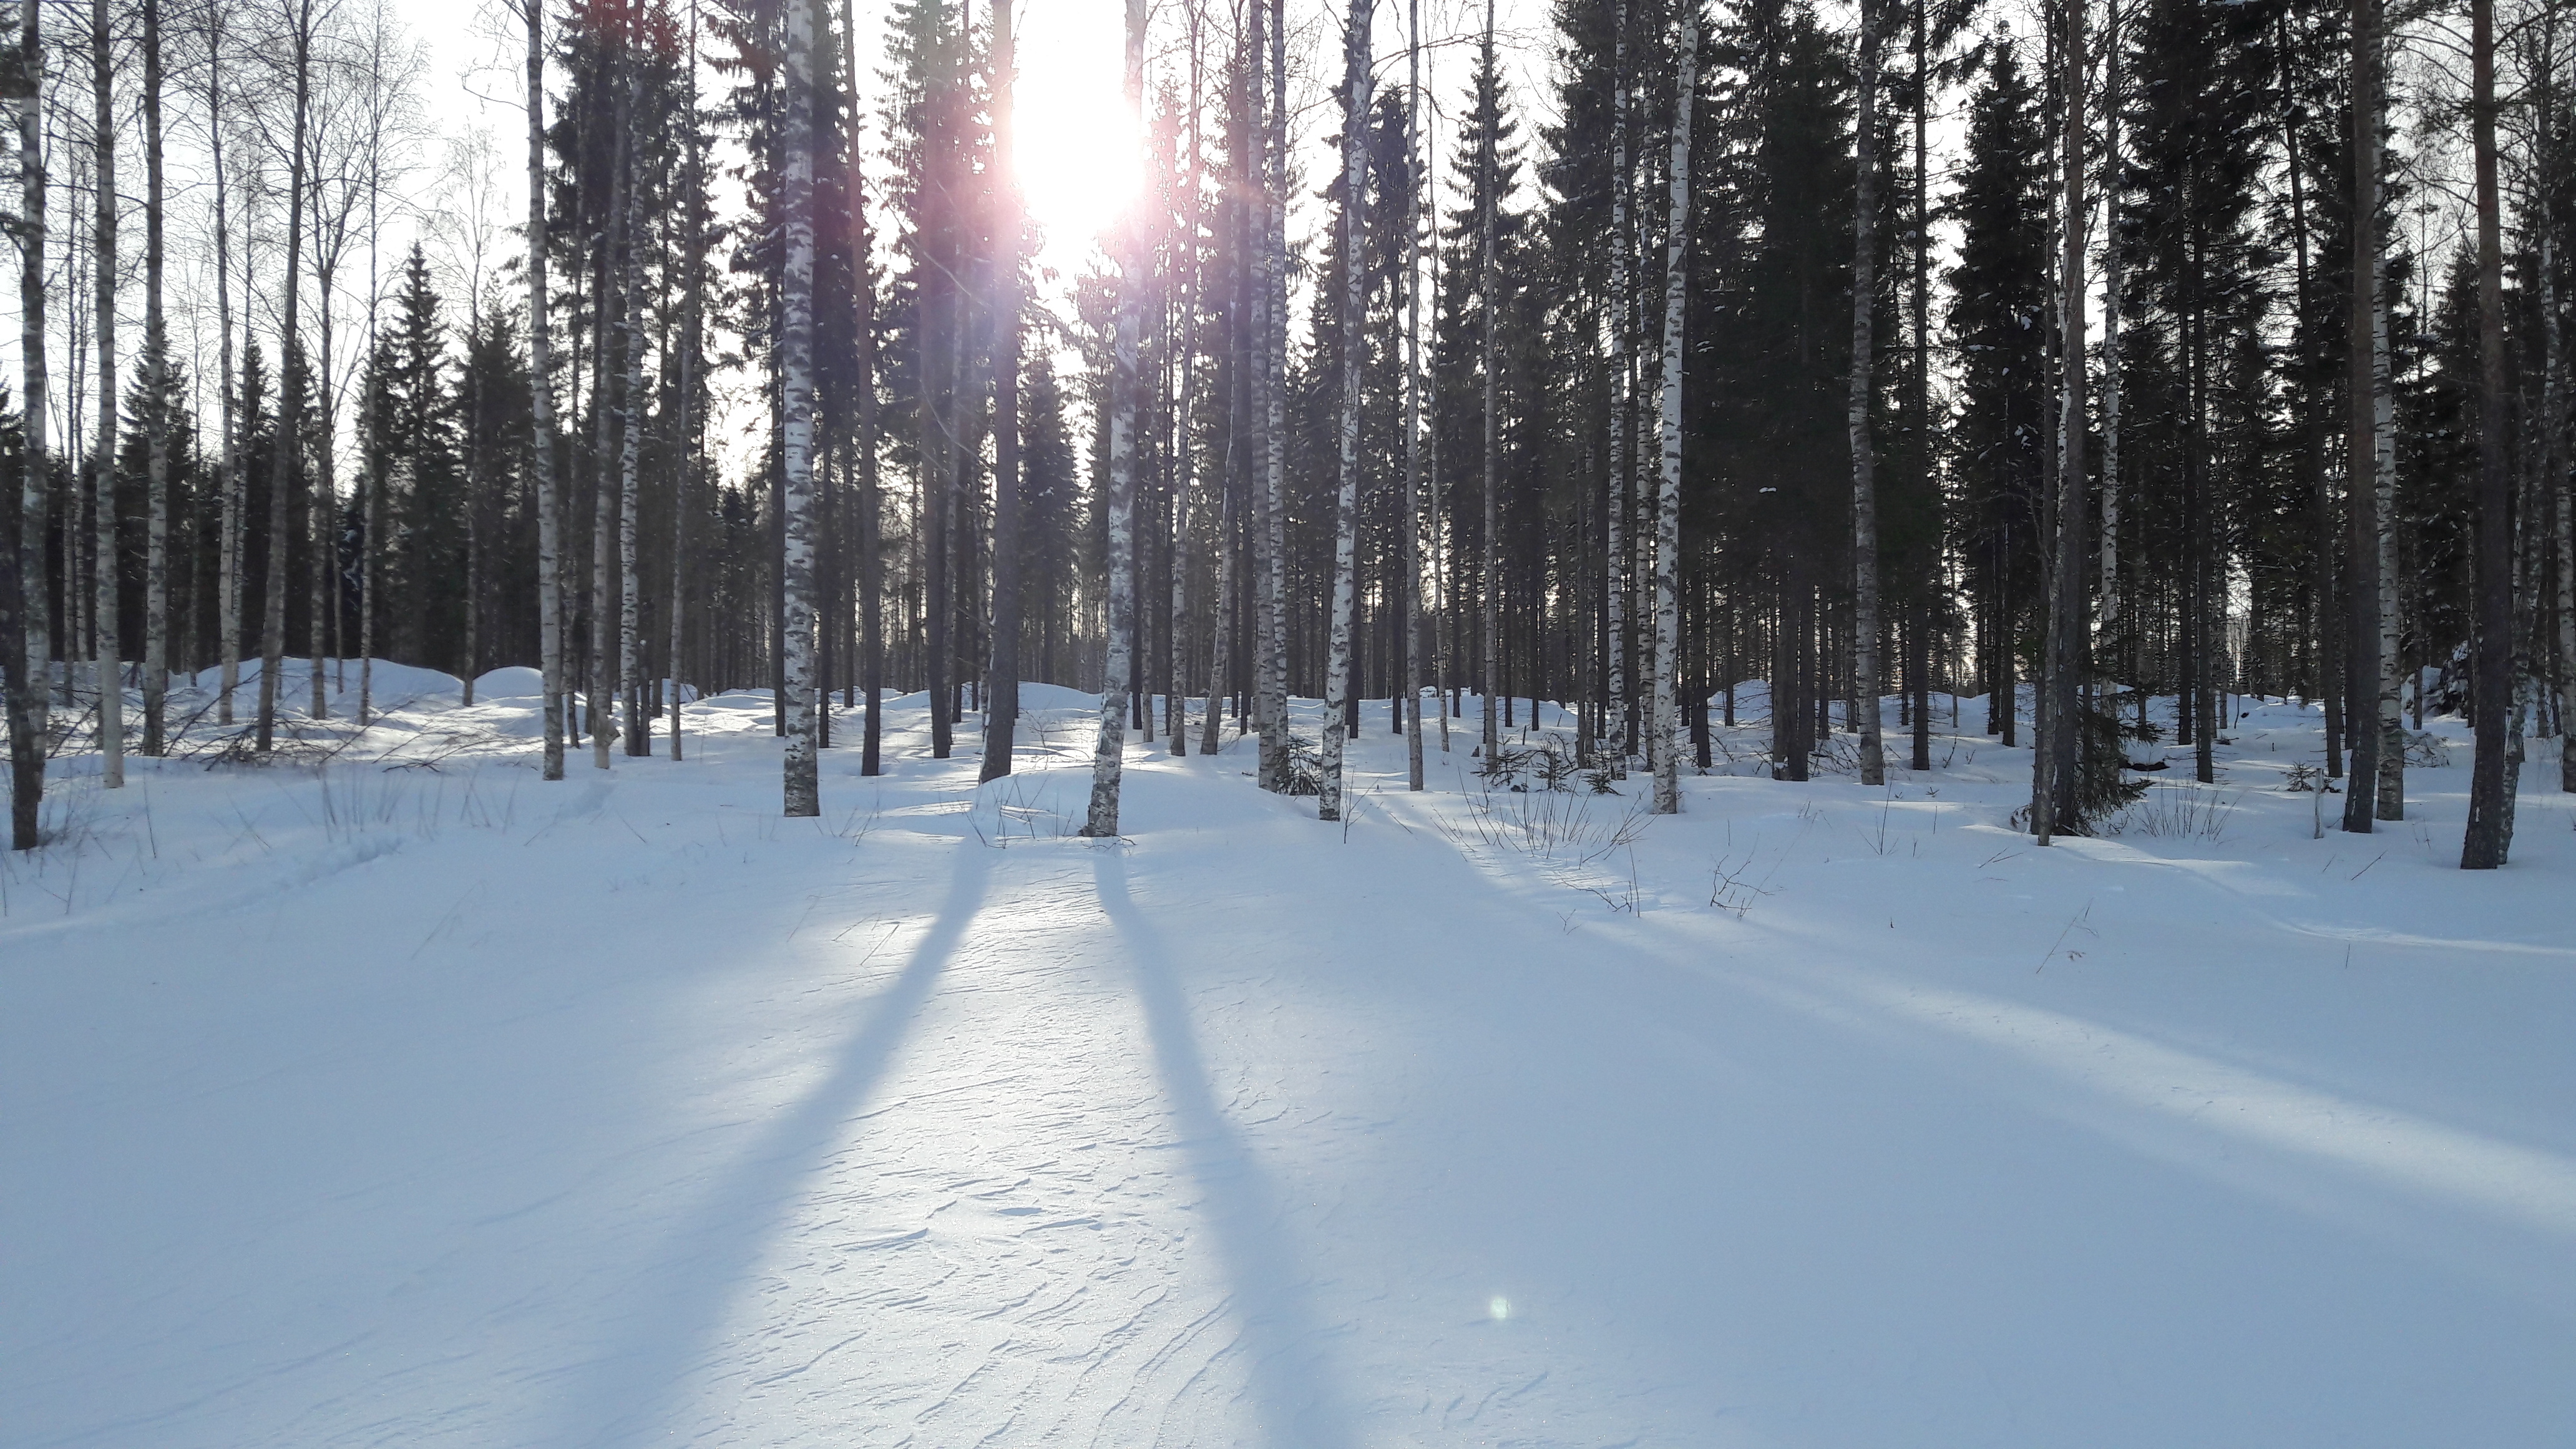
(708, 1260)
(1283, 1345)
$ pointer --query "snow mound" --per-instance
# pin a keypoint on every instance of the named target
(510, 681)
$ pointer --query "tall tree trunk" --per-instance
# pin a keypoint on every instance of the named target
(1921, 385)
(108, 653)
(1668, 502)
(31, 666)
(1271, 380)
(630, 585)
(1002, 678)
(156, 566)
(2361, 434)
(2056, 809)
(608, 409)
(1490, 587)
(1184, 457)
(288, 450)
(796, 391)
(2489, 838)
(1109, 752)
(1413, 234)
(685, 440)
(541, 410)
(2112, 604)
(1338, 665)
(2392, 669)
(871, 503)
(1864, 452)
(1617, 553)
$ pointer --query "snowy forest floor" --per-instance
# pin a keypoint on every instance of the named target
(401, 1098)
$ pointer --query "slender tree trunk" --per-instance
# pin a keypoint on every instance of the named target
(1491, 585)
(2361, 434)
(2057, 808)
(796, 388)
(1184, 457)
(2489, 837)
(288, 450)
(1002, 678)
(1338, 667)
(2112, 284)
(1273, 383)
(1668, 503)
(1921, 386)
(1864, 452)
(685, 439)
(1412, 609)
(156, 567)
(2392, 668)
(1617, 553)
(108, 654)
(541, 410)
(630, 590)
(871, 502)
(31, 667)
(1109, 754)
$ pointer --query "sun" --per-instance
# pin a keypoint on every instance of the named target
(1078, 160)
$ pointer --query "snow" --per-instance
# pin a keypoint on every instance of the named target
(390, 1095)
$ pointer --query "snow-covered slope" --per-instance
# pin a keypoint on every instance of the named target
(406, 1099)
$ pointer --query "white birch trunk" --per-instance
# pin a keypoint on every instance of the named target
(156, 567)
(1110, 749)
(2111, 334)
(1668, 500)
(31, 674)
(630, 596)
(1487, 166)
(2062, 737)
(110, 672)
(1865, 621)
(1413, 602)
(1274, 430)
(541, 429)
(2391, 803)
(1337, 667)
(796, 389)
(1614, 569)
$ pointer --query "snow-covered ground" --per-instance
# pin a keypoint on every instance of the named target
(406, 1099)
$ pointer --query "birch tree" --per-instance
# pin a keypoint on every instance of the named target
(31, 672)
(2361, 494)
(109, 655)
(2488, 839)
(2111, 353)
(1865, 620)
(541, 408)
(1413, 241)
(1270, 379)
(630, 493)
(1487, 166)
(1668, 500)
(1353, 302)
(2054, 808)
(156, 419)
(796, 386)
(1109, 751)
(1618, 504)
(1002, 679)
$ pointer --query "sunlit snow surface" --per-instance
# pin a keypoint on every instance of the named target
(407, 1100)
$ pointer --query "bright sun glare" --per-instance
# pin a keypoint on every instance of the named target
(1077, 145)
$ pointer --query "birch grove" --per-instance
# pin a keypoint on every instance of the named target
(1334, 420)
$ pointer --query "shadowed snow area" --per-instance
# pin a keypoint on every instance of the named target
(389, 1095)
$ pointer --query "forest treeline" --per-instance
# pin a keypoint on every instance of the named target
(2067, 351)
